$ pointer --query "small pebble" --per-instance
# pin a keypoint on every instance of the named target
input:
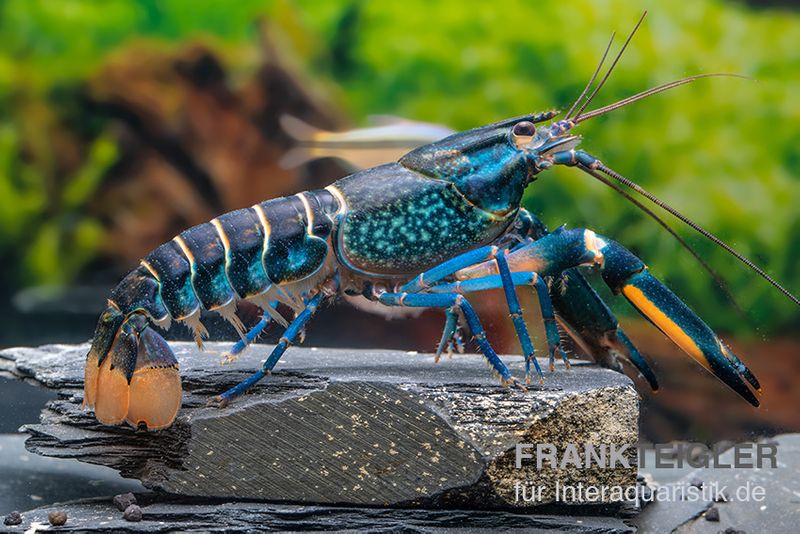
(731, 530)
(13, 519)
(133, 513)
(712, 514)
(57, 518)
(723, 497)
(123, 500)
(696, 482)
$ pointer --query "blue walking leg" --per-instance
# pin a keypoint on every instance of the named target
(249, 337)
(434, 275)
(515, 310)
(472, 285)
(453, 300)
(517, 279)
(431, 276)
(287, 339)
(450, 327)
(550, 326)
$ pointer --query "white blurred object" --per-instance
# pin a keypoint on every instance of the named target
(387, 141)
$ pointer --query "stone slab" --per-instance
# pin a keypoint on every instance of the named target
(378, 428)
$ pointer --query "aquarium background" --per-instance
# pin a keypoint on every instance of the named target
(124, 122)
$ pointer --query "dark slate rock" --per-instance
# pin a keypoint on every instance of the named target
(332, 426)
(168, 515)
(28, 480)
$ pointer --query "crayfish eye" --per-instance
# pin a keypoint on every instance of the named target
(524, 129)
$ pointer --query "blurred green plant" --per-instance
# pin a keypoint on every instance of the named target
(48, 244)
(725, 152)
(53, 150)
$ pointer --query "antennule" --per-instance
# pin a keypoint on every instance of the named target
(614, 64)
(650, 92)
(591, 80)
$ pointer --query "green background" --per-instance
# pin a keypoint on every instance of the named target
(724, 151)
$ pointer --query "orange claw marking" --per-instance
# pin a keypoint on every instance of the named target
(669, 327)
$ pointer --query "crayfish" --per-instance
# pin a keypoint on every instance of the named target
(428, 231)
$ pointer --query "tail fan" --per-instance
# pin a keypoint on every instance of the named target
(131, 374)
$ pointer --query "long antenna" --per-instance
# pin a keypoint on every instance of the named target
(666, 207)
(594, 76)
(614, 64)
(661, 222)
(650, 92)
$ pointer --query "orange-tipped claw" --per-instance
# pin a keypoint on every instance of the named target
(667, 312)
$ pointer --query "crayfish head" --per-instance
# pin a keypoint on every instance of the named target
(487, 165)
(540, 144)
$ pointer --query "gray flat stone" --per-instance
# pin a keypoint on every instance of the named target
(375, 428)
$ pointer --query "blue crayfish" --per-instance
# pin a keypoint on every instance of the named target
(442, 222)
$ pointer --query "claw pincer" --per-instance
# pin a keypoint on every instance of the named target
(626, 274)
